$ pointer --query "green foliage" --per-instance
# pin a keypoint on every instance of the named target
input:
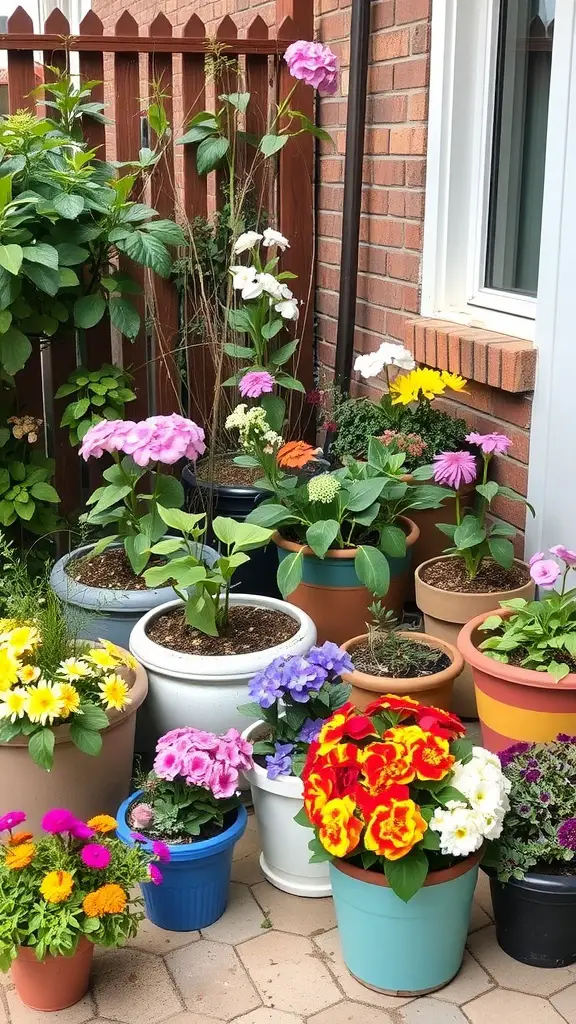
(27, 498)
(98, 395)
(182, 811)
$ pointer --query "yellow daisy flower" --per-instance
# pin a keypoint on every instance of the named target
(13, 705)
(23, 638)
(20, 856)
(69, 699)
(454, 381)
(103, 659)
(74, 668)
(56, 886)
(122, 656)
(28, 674)
(9, 667)
(43, 703)
(114, 692)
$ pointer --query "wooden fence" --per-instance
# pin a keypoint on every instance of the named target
(122, 61)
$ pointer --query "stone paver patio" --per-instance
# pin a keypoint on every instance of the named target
(274, 959)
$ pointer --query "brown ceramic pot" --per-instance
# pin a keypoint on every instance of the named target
(516, 704)
(332, 594)
(435, 689)
(85, 785)
(432, 542)
(55, 982)
(445, 612)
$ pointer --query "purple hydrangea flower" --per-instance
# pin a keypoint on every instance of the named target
(508, 755)
(301, 678)
(280, 762)
(309, 730)
(567, 834)
(266, 686)
(331, 658)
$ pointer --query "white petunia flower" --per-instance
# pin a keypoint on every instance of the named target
(271, 286)
(288, 308)
(460, 831)
(246, 280)
(493, 824)
(272, 237)
(486, 797)
(246, 241)
(372, 363)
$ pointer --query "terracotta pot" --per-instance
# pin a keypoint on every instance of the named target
(55, 982)
(332, 594)
(435, 689)
(85, 785)
(445, 612)
(432, 542)
(516, 704)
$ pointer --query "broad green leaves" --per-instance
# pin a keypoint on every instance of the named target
(372, 569)
(89, 310)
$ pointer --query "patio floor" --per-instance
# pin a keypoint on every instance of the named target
(274, 959)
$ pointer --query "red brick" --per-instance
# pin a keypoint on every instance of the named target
(331, 170)
(330, 198)
(380, 78)
(516, 409)
(395, 325)
(375, 200)
(416, 172)
(372, 259)
(387, 109)
(377, 141)
(326, 354)
(420, 343)
(405, 266)
(418, 106)
(420, 39)
(411, 141)
(410, 335)
(328, 277)
(382, 15)
(518, 366)
(414, 204)
(412, 10)
(442, 349)
(430, 345)
(371, 316)
(411, 299)
(388, 171)
(411, 74)
(511, 511)
(413, 236)
(390, 45)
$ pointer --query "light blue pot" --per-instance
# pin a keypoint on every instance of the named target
(403, 948)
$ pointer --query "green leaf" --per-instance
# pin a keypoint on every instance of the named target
(93, 717)
(275, 409)
(11, 257)
(45, 278)
(283, 354)
(238, 351)
(501, 529)
(502, 551)
(14, 350)
(176, 519)
(42, 253)
(109, 496)
(321, 535)
(302, 819)
(45, 492)
(169, 491)
(251, 709)
(5, 320)
(372, 570)
(273, 328)
(393, 541)
(492, 622)
(290, 573)
(201, 613)
(89, 310)
(448, 793)
(270, 144)
(430, 840)
(270, 515)
(87, 740)
(298, 762)
(469, 533)
(210, 152)
(408, 874)
(13, 165)
(461, 749)
(243, 536)
(166, 231)
(67, 278)
(362, 493)
(124, 316)
(558, 671)
(41, 748)
(488, 491)
(70, 255)
(284, 380)
(507, 492)
(240, 100)
(68, 206)
(147, 250)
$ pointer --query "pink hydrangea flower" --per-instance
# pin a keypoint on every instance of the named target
(454, 469)
(545, 572)
(95, 856)
(565, 554)
(167, 765)
(256, 383)
(491, 444)
(165, 439)
(313, 63)
(106, 436)
(154, 874)
(142, 816)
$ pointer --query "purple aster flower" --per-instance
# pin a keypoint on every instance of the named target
(266, 686)
(331, 658)
(280, 762)
(563, 737)
(531, 774)
(567, 834)
(301, 678)
(508, 755)
(524, 810)
(544, 798)
(310, 730)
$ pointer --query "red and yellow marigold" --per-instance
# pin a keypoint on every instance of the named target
(338, 829)
(386, 763)
(431, 758)
(395, 829)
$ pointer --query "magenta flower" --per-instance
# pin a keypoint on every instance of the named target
(167, 765)
(139, 838)
(565, 554)
(142, 816)
(491, 444)
(58, 820)
(78, 830)
(454, 469)
(154, 874)
(223, 780)
(95, 856)
(545, 572)
(197, 767)
(161, 850)
(256, 383)
(313, 63)
(106, 436)
(536, 558)
(11, 820)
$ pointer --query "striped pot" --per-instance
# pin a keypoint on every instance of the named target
(516, 704)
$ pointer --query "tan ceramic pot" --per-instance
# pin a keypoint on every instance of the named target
(55, 982)
(445, 612)
(332, 594)
(83, 784)
(435, 689)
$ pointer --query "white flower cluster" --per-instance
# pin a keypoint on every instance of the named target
(389, 354)
(254, 429)
(252, 285)
(251, 238)
(463, 826)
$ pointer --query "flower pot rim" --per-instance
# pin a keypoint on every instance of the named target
(539, 881)
(433, 877)
(182, 665)
(186, 851)
(367, 681)
(499, 670)
(463, 593)
(412, 535)
(242, 490)
(290, 786)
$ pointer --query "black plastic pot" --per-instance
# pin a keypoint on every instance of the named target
(536, 918)
(258, 576)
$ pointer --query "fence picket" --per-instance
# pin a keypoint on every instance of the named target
(257, 81)
(21, 77)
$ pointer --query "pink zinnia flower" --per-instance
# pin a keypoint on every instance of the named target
(58, 820)
(223, 780)
(454, 469)
(536, 558)
(167, 765)
(161, 850)
(565, 554)
(95, 856)
(491, 444)
(545, 573)
(154, 874)
(142, 816)
(256, 383)
(11, 820)
(313, 63)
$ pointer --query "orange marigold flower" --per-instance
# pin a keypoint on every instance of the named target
(391, 703)
(20, 856)
(317, 792)
(102, 823)
(20, 837)
(339, 831)
(295, 454)
(387, 763)
(108, 899)
(393, 831)
(56, 886)
(431, 758)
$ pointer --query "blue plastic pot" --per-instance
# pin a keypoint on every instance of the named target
(403, 948)
(194, 890)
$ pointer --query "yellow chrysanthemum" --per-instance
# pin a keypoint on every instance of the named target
(28, 674)
(114, 692)
(9, 667)
(420, 382)
(102, 659)
(43, 703)
(20, 856)
(23, 638)
(56, 886)
(13, 704)
(69, 699)
(102, 823)
(454, 381)
(122, 657)
(73, 669)
(108, 899)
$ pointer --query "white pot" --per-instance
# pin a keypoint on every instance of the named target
(285, 857)
(202, 690)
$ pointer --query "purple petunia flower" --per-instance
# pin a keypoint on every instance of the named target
(567, 834)
(280, 762)
(302, 678)
(507, 756)
(266, 687)
(309, 730)
(331, 658)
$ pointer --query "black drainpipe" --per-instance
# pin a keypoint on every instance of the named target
(355, 124)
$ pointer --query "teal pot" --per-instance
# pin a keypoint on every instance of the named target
(94, 612)
(403, 949)
(332, 594)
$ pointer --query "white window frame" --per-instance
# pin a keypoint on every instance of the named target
(462, 86)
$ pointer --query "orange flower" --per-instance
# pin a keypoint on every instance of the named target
(431, 758)
(440, 722)
(339, 831)
(408, 735)
(393, 831)
(386, 763)
(20, 837)
(295, 454)
(102, 823)
(369, 803)
(344, 722)
(108, 899)
(343, 755)
(391, 703)
(317, 791)
(20, 856)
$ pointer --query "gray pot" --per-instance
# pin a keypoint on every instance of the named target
(94, 612)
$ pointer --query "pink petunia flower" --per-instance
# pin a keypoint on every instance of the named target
(454, 469)
(545, 573)
(565, 554)
(161, 850)
(154, 874)
(223, 780)
(167, 765)
(491, 444)
(95, 856)
(313, 63)
(536, 558)
(256, 383)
